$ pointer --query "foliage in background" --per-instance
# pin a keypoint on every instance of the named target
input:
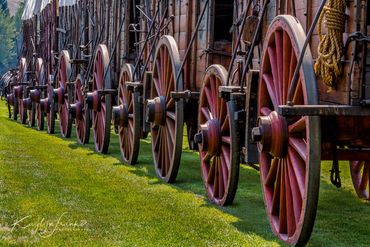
(10, 28)
(7, 37)
(4, 6)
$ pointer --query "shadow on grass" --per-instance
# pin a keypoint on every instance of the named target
(341, 216)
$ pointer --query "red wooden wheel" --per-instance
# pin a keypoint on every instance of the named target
(290, 150)
(218, 148)
(22, 77)
(50, 112)
(129, 110)
(81, 113)
(66, 97)
(40, 81)
(102, 117)
(164, 113)
(31, 112)
(360, 173)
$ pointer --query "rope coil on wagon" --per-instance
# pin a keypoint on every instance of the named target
(330, 50)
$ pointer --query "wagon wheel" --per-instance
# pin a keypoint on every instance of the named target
(289, 149)
(31, 112)
(66, 95)
(40, 81)
(15, 109)
(50, 114)
(102, 117)
(130, 127)
(22, 76)
(360, 173)
(164, 113)
(9, 109)
(219, 145)
(82, 113)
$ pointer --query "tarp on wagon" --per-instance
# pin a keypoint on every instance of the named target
(64, 3)
(31, 8)
(44, 3)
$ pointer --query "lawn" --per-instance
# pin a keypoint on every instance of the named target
(54, 192)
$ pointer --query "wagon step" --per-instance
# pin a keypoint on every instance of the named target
(323, 110)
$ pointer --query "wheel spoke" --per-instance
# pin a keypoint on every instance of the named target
(280, 61)
(282, 207)
(289, 202)
(300, 146)
(299, 126)
(299, 169)
(271, 176)
(270, 88)
(206, 113)
(274, 70)
(226, 155)
(211, 172)
(296, 192)
(276, 193)
(171, 115)
(265, 111)
(287, 55)
(226, 139)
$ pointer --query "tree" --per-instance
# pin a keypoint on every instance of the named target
(4, 6)
(7, 37)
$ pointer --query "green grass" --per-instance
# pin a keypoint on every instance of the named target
(64, 194)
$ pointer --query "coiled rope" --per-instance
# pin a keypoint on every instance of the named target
(328, 66)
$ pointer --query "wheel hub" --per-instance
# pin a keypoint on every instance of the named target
(120, 116)
(76, 111)
(156, 111)
(93, 101)
(45, 105)
(272, 135)
(18, 92)
(59, 95)
(27, 103)
(10, 99)
(209, 137)
(35, 95)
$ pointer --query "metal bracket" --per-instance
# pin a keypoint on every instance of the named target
(108, 91)
(187, 95)
(134, 86)
(323, 110)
